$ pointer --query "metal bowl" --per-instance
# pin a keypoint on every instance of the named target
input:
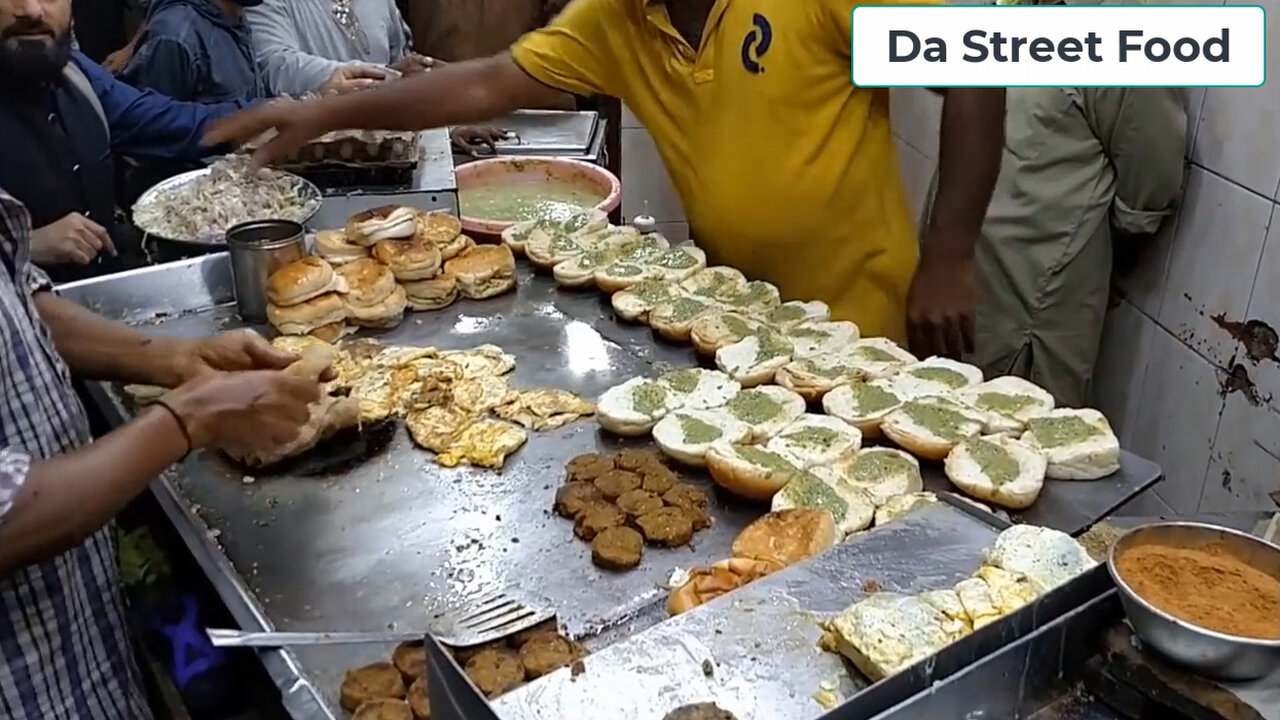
(216, 237)
(1212, 654)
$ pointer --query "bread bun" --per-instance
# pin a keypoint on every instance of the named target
(1079, 444)
(368, 282)
(945, 374)
(438, 292)
(679, 263)
(719, 281)
(755, 297)
(878, 357)
(331, 333)
(580, 270)
(786, 537)
(635, 303)
(517, 234)
(882, 472)
(674, 319)
(749, 471)
(899, 506)
(387, 222)
(642, 249)
(438, 228)
(686, 435)
(333, 245)
(755, 359)
(813, 440)
(864, 404)
(385, 314)
(301, 281)
(699, 388)
(792, 313)
(820, 337)
(409, 259)
(304, 317)
(483, 271)
(767, 409)
(851, 508)
(622, 274)
(998, 470)
(715, 330)
(455, 247)
(635, 406)
(814, 377)
(929, 427)
(710, 582)
(1006, 403)
(547, 251)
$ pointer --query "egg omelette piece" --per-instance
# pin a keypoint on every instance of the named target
(1046, 556)
(543, 408)
(484, 443)
(482, 360)
(479, 395)
(888, 632)
(1009, 590)
(435, 428)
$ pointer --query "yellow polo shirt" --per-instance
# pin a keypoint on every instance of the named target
(787, 170)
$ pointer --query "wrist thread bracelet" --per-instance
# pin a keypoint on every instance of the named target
(182, 426)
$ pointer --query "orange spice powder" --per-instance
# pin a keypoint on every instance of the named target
(1207, 587)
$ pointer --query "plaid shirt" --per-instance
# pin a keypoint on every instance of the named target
(65, 648)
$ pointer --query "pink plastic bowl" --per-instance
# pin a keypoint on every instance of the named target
(511, 170)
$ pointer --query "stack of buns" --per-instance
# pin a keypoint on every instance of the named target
(384, 261)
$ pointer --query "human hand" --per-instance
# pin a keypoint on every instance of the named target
(415, 63)
(251, 411)
(73, 238)
(469, 139)
(941, 305)
(295, 123)
(350, 78)
(228, 352)
(115, 62)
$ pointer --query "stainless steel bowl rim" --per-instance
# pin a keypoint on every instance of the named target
(1129, 593)
(309, 191)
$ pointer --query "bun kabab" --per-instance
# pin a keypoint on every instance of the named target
(387, 222)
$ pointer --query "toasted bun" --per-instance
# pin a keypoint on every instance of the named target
(686, 435)
(715, 330)
(545, 251)
(679, 263)
(717, 281)
(618, 276)
(455, 247)
(1079, 444)
(792, 313)
(674, 320)
(408, 259)
(1007, 402)
(901, 505)
(882, 472)
(517, 234)
(851, 508)
(617, 408)
(483, 271)
(368, 281)
(945, 374)
(998, 470)
(333, 332)
(708, 583)
(756, 296)
(304, 317)
(635, 303)
(813, 440)
(388, 222)
(820, 337)
(929, 427)
(814, 377)
(332, 245)
(749, 406)
(438, 292)
(878, 357)
(786, 537)
(863, 405)
(438, 228)
(386, 314)
(749, 471)
(755, 359)
(302, 280)
(699, 388)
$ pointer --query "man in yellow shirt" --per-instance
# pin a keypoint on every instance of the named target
(787, 171)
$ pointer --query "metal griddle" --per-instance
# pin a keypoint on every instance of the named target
(368, 550)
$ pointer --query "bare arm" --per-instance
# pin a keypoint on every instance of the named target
(50, 506)
(972, 139)
(99, 349)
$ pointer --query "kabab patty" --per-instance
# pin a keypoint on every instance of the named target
(574, 497)
(617, 548)
(495, 671)
(693, 501)
(658, 479)
(418, 701)
(638, 502)
(547, 653)
(410, 658)
(637, 460)
(545, 627)
(614, 483)
(596, 518)
(700, 711)
(670, 526)
(587, 467)
(383, 709)
(372, 682)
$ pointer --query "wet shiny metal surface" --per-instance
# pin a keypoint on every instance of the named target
(755, 651)
(367, 550)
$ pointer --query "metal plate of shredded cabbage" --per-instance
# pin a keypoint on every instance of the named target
(198, 206)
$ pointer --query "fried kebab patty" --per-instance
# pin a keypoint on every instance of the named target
(574, 497)
(670, 526)
(597, 518)
(617, 548)
(616, 482)
(372, 682)
(495, 671)
(587, 467)
(546, 653)
(638, 502)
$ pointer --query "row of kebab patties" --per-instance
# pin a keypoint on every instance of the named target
(385, 261)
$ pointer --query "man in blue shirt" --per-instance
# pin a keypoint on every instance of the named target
(197, 50)
(63, 118)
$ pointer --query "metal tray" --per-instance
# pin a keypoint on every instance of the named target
(310, 194)
(364, 551)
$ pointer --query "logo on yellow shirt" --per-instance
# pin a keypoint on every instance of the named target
(756, 44)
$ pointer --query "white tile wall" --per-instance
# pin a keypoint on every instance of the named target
(647, 183)
(1245, 465)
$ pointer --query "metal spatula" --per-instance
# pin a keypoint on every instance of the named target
(453, 695)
